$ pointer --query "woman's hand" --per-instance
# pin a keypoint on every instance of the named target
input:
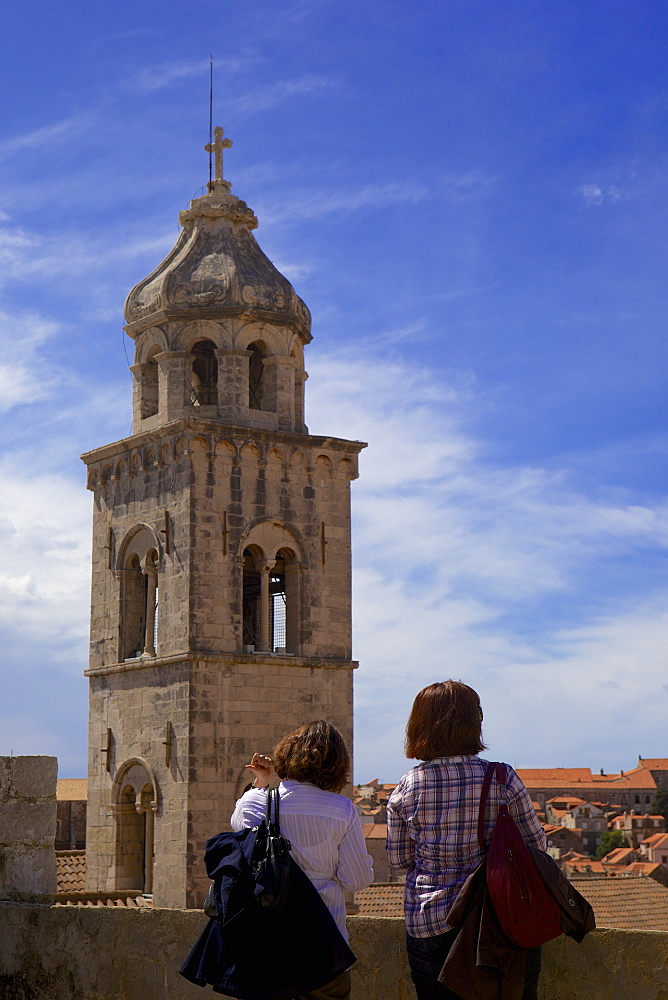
(262, 768)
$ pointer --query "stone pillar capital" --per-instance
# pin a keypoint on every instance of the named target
(232, 352)
(280, 359)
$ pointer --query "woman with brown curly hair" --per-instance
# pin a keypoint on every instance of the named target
(322, 826)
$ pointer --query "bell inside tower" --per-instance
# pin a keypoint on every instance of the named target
(256, 378)
(204, 382)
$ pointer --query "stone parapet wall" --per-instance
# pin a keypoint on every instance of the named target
(98, 953)
(27, 827)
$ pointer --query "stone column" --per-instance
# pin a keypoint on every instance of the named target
(265, 615)
(152, 585)
(300, 416)
(173, 383)
(233, 384)
(279, 373)
(292, 605)
(149, 825)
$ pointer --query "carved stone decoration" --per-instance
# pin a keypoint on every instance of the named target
(217, 266)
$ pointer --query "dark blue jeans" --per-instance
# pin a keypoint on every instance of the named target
(427, 955)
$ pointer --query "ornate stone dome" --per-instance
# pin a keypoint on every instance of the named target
(216, 270)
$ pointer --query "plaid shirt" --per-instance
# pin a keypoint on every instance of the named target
(432, 830)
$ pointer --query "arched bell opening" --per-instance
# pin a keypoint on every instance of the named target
(139, 598)
(133, 609)
(285, 602)
(252, 588)
(256, 377)
(204, 381)
(270, 601)
(150, 397)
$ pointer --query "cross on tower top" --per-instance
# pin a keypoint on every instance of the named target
(216, 147)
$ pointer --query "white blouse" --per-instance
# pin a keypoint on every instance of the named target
(326, 837)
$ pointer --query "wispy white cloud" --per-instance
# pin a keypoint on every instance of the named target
(272, 95)
(44, 578)
(594, 195)
(25, 377)
(49, 256)
(153, 78)
(46, 135)
(317, 203)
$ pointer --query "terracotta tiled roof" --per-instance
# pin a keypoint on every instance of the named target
(551, 828)
(654, 763)
(71, 885)
(374, 831)
(574, 856)
(133, 901)
(633, 903)
(72, 789)
(584, 867)
(619, 856)
(71, 871)
(656, 840)
(570, 776)
(536, 777)
(381, 899)
(572, 800)
(643, 867)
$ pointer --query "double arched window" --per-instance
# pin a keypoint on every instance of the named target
(139, 595)
(271, 595)
(134, 802)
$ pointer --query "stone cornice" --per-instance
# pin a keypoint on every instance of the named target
(255, 659)
(173, 315)
(221, 431)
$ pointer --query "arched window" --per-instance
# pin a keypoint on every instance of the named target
(139, 597)
(256, 377)
(270, 601)
(204, 382)
(278, 607)
(133, 609)
(135, 805)
(251, 601)
(284, 592)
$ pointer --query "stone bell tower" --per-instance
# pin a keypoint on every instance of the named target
(221, 607)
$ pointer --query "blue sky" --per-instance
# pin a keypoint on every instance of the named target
(472, 199)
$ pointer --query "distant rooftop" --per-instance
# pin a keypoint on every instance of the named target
(629, 903)
(72, 789)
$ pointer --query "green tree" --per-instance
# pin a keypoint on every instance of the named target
(609, 841)
(660, 805)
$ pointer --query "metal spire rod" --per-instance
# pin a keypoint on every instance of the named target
(210, 119)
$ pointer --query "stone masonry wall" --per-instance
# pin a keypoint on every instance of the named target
(27, 827)
(106, 953)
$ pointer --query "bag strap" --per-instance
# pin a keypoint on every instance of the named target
(272, 825)
(494, 767)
